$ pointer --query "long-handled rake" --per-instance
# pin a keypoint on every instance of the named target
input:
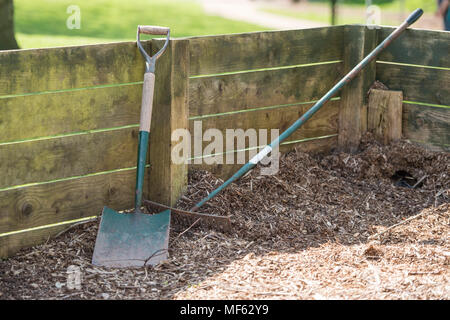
(305, 117)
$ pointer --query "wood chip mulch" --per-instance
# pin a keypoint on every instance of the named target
(324, 227)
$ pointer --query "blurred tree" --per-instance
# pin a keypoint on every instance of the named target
(7, 39)
(333, 12)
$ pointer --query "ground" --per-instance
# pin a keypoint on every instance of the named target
(43, 23)
(337, 226)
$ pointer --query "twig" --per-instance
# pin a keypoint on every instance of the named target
(195, 222)
(260, 293)
(439, 193)
(435, 192)
(70, 295)
(156, 253)
(420, 180)
(419, 273)
(186, 199)
(146, 273)
(396, 225)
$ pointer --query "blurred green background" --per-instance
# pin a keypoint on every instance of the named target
(409, 4)
(346, 10)
(42, 23)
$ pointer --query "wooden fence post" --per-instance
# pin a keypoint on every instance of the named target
(358, 42)
(167, 181)
(385, 115)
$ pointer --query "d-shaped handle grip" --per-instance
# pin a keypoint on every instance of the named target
(413, 17)
(150, 61)
(153, 30)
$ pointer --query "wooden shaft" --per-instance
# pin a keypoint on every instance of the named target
(144, 129)
(147, 101)
(153, 30)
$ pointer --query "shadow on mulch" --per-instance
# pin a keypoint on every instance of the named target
(312, 200)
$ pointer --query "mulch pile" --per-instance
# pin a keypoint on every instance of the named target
(317, 229)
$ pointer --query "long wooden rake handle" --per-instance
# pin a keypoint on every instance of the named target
(333, 91)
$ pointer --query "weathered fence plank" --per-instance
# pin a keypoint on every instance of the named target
(384, 115)
(38, 70)
(429, 126)
(44, 204)
(324, 122)
(250, 90)
(49, 159)
(247, 51)
(419, 47)
(418, 84)
(35, 116)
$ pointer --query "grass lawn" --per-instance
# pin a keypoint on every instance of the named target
(43, 23)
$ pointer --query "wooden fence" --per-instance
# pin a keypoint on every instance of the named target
(69, 116)
(266, 80)
(418, 64)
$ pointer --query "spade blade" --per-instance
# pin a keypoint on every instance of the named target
(131, 239)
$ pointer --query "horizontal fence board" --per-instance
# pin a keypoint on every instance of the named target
(37, 70)
(429, 126)
(418, 84)
(54, 202)
(420, 47)
(224, 171)
(50, 159)
(12, 244)
(324, 122)
(35, 116)
(247, 51)
(226, 93)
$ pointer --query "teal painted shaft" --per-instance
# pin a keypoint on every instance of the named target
(305, 117)
(141, 161)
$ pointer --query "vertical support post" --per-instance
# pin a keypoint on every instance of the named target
(359, 41)
(385, 115)
(167, 181)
